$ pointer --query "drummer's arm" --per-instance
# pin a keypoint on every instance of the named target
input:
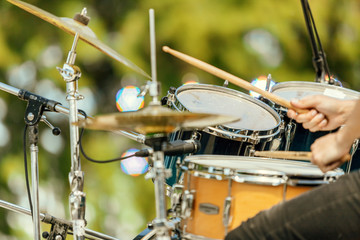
(328, 151)
(351, 129)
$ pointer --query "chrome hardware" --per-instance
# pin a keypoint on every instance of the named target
(289, 134)
(209, 209)
(177, 192)
(187, 204)
(226, 214)
(69, 72)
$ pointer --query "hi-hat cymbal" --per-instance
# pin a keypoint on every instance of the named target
(154, 119)
(85, 33)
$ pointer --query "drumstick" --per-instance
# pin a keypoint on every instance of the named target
(231, 78)
(306, 156)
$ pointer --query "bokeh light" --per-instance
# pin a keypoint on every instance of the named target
(266, 45)
(50, 142)
(5, 135)
(190, 78)
(23, 76)
(191, 82)
(50, 56)
(134, 166)
(3, 108)
(260, 82)
(127, 99)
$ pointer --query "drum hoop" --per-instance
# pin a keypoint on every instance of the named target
(271, 178)
(230, 132)
(206, 170)
(254, 137)
(315, 85)
(196, 237)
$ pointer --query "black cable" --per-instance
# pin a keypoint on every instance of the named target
(91, 159)
(26, 170)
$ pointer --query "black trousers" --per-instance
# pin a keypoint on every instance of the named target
(331, 211)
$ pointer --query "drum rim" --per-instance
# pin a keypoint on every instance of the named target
(191, 236)
(190, 159)
(284, 85)
(234, 133)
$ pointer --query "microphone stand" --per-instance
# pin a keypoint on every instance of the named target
(33, 139)
(33, 115)
(319, 57)
(64, 110)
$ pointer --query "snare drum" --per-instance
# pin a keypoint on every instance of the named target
(296, 138)
(258, 128)
(222, 191)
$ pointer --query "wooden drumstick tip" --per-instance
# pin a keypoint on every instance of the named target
(165, 49)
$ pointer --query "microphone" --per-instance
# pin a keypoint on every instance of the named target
(178, 147)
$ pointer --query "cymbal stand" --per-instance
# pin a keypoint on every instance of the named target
(71, 75)
(159, 173)
(160, 223)
(154, 88)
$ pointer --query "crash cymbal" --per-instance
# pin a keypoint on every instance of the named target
(72, 26)
(154, 119)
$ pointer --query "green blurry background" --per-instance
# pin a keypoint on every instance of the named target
(245, 37)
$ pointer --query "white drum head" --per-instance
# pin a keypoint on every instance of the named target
(254, 114)
(291, 90)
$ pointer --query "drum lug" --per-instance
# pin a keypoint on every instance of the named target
(286, 183)
(250, 150)
(289, 134)
(169, 100)
(187, 203)
(196, 136)
(226, 214)
(176, 204)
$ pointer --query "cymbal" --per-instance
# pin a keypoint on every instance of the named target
(154, 119)
(72, 26)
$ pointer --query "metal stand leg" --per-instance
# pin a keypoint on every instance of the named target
(160, 223)
(63, 225)
(33, 138)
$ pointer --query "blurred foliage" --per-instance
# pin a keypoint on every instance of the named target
(210, 30)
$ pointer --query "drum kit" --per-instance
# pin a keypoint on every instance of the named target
(237, 155)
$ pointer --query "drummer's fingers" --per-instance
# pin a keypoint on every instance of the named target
(306, 102)
(323, 124)
(314, 157)
(306, 117)
(291, 114)
(314, 124)
(331, 166)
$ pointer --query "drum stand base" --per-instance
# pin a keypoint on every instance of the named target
(60, 227)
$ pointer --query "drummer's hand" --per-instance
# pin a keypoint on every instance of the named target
(325, 113)
(328, 150)
(312, 120)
